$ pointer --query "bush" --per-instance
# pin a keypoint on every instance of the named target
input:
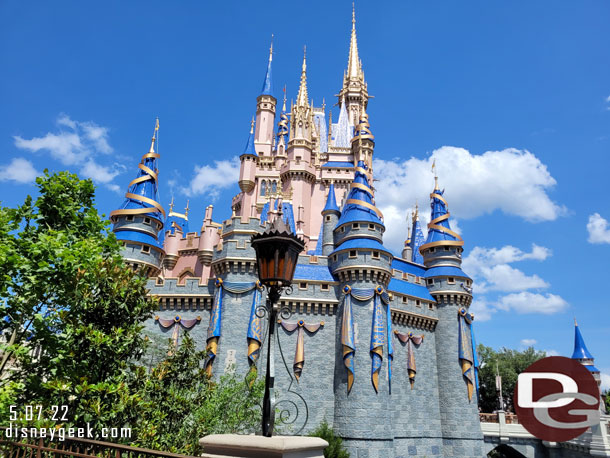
(335, 447)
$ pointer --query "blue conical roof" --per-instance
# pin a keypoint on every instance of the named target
(359, 206)
(267, 86)
(331, 202)
(249, 149)
(580, 349)
(417, 240)
(439, 230)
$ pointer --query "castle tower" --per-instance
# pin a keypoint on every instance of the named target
(140, 218)
(407, 251)
(354, 91)
(448, 284)
(362, 265)
(175, 228)
(363, 144)
(583, 356)
(247, 173)
(208, 239)
(298, 173)
(265, 113)
(282, 135)
(330, 215)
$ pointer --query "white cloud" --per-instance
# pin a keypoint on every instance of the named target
(551, 352)
(492, 272)
(598, 228)
(513, 181)
(481, 309)
(213, 179)
(528, 342)
(19, 170)
(605, 376)
(526, 302)
(78, 145)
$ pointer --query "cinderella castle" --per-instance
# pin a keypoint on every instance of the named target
(382, 347)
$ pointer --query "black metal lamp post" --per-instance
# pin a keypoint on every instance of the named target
(277, 252)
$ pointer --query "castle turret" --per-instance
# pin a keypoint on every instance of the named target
(362, 265)
(140, 218)
(330, 215)
(175, 228)
(417, 238)
(363, 144)
(265, 113)
(354, 91)
(450, 287)
(407, 251)
(583, 356)
(247, 173)
(208, 238)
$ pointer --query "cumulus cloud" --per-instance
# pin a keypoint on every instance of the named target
(598, 228)
(527, 302)
(76, 144)
(481, 309)
(513, 181)
(551, 352)
(492, 272)
(528, 342)
(605, 376)
(211, 180)
(19, 170)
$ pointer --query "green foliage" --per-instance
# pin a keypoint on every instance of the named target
(180, 405)
(335, 447)
(74, 311)
(607, 398)
(509, 363)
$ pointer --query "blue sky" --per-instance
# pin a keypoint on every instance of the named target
(512, 99)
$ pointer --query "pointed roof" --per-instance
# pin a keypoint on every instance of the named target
(343, 129)
(331, 202)
(267, 87)
(249, 150)
(363, 129)
(354, 66)
(417, 238)
(142, 196)
(359, 206)
(302, 98)
(439, 230)
(580, 349)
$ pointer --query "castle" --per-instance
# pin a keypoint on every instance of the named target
(380, 346)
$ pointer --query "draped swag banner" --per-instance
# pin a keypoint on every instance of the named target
(299, 354)
(407, 338)
(468, 352)
(177, 322)
(378, 332)
(215, 326)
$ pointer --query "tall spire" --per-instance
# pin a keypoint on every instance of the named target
(354, 68)
(439, 230)
(250, 150)
(302, 99)
(580, 349)
(267, 87)
(417, 238)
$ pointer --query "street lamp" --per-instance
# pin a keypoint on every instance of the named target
(277, 252)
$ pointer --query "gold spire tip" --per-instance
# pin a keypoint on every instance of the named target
(252, 125)
(575, 323)
(186, 210)
(171, 205)
(271, 49)
(353, 14)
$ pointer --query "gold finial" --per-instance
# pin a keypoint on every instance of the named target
(186, 210)
(323, 104)
(354, 14)
(252, 125)
(171, 205)
(302, 95)
(435, 175)
(575, 323)
(154, 137)
(284, 106)
(271, 49)
(415, 213)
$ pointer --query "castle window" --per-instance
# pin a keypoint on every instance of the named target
(371, 227)
(375, 255)
(431, 306)
(274, 187)
(405, 300)
(146, 220)
(327, 217)
(412, 278)
(352, 253)
(446, 248)
(263, 188)
(355, 226)
(303, 285)
(324, 287)
(451, 280)
(432, 250)
(129, 218)
(418, 303)
(334, 258)
(342, 229)
(145, 249)
(431, 281)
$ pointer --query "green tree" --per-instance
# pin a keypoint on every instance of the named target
(509, 363)
(335, 447)
(607, 398)
(72, 309)
(180, 405)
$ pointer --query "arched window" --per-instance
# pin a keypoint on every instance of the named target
(274, 187)
(263, 188)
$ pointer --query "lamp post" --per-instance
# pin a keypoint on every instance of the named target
(277, 252)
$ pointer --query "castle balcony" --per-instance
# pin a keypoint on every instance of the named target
(298, 168)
